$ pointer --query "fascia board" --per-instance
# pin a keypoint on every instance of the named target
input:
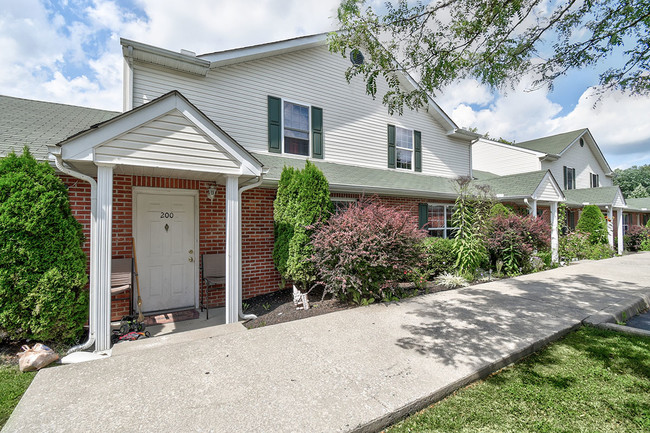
(511, 147)
(160, 56)
(237, 55)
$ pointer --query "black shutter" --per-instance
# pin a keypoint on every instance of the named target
(317, 132)
(275, 129)
(417, 145)
(423, 215)
(391, 146)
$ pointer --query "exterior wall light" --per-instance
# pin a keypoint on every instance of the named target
(212, 191)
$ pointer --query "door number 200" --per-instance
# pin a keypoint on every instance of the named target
(166, 214)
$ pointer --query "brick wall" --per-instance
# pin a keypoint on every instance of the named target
(258, 271)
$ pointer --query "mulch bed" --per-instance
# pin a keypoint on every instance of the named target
(277, 307)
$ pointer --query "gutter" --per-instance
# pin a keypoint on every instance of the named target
(92, 318)
(240, 309)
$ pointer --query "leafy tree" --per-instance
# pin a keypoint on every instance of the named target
(495, 42)
(629, 179)
(639, 192)
(302, 200)
(42, 264)
(592, 222)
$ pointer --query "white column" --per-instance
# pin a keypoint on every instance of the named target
(610, 226)
(619, 229)
(555, 255)
(104, 255)
(232, 247)
(533, 209)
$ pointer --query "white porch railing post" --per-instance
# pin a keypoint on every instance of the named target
(232, 248)
(610, 226)
(555, 251)
(619, 229)
(104, 254)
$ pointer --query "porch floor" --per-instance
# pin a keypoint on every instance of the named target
(182, 332)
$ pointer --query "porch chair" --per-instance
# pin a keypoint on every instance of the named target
(122, 278)
(213, 272)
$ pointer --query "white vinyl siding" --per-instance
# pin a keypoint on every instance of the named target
(585, 163)
(168, 142)
(503, 159)
(354, 125)
(547, 192)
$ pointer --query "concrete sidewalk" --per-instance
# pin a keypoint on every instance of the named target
(354, 370)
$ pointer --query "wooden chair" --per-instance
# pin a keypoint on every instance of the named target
(122, 278)
(213, 272)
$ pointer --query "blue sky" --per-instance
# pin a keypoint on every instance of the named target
(68, 51)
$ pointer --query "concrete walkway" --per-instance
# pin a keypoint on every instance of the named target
(352, 370)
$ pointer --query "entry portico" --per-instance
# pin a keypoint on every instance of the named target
(168, 138)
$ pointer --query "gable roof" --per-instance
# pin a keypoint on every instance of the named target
(553, 144)
(601, 196)
(200, 65)
(520, 185)
(39, 124)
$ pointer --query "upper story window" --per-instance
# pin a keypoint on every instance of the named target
(296, 129)
(569, 178)
(595, 182)
(403, 148)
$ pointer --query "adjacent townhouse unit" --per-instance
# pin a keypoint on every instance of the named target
(576, 161)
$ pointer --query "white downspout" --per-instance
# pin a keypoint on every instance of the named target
(92, 319)
(239, 283)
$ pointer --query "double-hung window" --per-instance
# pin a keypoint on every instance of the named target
(403, 148)
(569, 178)
(439, 221)
(341, 204)
(594, 180)
(296, 129)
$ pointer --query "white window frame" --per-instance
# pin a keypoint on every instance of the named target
(596, 177)
(290, 101)
(447, 227)
(412, 149)
(342, 200)
(571, 170)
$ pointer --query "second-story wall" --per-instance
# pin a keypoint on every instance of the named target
(503, 159)
(354, 125)
(584, 162)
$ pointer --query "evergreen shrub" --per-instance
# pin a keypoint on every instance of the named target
(42, 264)
(593, 223)
(439, 255)
(364, 251)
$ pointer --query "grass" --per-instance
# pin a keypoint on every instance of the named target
(591, 381)
(13, 384)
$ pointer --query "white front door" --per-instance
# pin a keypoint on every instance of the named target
(165, 243)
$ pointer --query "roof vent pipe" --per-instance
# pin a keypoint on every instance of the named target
(92, 318)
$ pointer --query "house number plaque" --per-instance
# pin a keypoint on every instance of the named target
(166, 214)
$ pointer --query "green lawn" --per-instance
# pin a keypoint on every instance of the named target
(591, 381)
(13, 384)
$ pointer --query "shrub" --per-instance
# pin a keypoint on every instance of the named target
(645, 245)
(302, 199)
(439, 255)
(362, 252)
(451, 281)
(576, 246)
(592, 222)
(513, 239)
(634, 238)
(599, 251)
(500, 210)
(42, 264)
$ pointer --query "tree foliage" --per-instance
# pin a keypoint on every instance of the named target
(496, 42)
(42, 264)
(302, 200)
(630, 179)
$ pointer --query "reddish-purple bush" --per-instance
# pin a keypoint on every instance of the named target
(362, 252)
(634, 237)
(512, 239)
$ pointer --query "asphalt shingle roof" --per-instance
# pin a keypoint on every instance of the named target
(361, 178)
(38, 124)
(599, 196)
(553, 144)
(638, 203)
(515, 185)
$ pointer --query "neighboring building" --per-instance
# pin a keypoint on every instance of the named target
(574, 159)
